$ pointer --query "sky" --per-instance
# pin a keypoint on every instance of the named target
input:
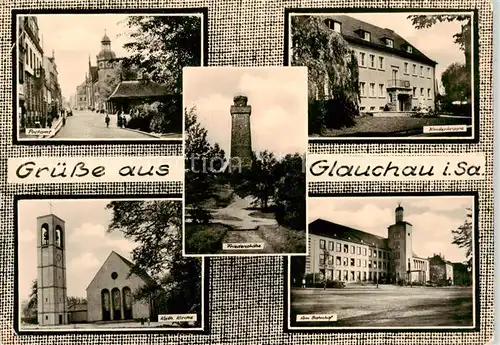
(436, 42)
(432, 218)
(87, 242)
(74, 37)
(277, 95)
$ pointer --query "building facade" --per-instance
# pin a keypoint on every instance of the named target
(393, 74)
(441, 270)
(53, 96)
(51, 266)
(30, 72)
(109, 294)
(338, 252)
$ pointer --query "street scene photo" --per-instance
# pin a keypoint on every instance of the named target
(395, 262)
(386, 74)
(120, 269)
(245, 145)
(103, 76)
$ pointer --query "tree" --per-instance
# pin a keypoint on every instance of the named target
(31, 307)
(290, 194)
(326, 255)
(156, 228)
(260, 180)
(462, 237)
(462, 38)
(204, 163)
(333, 75)
(163, 45)
(456, 82)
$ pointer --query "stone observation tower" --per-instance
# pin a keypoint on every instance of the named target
(241, 138)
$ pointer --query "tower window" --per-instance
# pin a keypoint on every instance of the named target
(58, 236)
(114, 275)
(45, 234)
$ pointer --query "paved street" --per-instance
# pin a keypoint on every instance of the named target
(91, 125)
(387, 306)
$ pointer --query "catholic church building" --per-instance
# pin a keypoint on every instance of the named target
(109, 294)
(342, 253)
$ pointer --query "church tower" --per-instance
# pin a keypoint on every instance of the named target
(241, 139)
(51, 280)
(106, 71)
(400, 242)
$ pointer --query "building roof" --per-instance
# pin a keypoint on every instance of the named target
(345, 233)
(105, 39)
(417, 256)
(140, 89)
(105, 54)
(438, 259)
(351, 26)
(77, 307)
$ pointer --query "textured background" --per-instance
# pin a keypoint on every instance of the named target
(246, 294)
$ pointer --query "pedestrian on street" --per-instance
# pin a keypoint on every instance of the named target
(107, 120)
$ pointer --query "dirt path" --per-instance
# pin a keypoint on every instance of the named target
(240, 209)
(246, 236)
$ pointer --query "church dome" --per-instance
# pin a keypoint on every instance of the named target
(106, 55)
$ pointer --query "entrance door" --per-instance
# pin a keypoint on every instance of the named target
(60, 319)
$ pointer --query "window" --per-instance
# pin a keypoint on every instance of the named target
(58, 239)
(364, 275)
(346, 262)
(352, 275)
(396, 244)
(353, 262)
(369, 252)
(428, 72)
(414, 69)
(359, 250)
(364, 263)
(359, 276)
(45, 234)
(375, 264)
(338, 261)
(384, 256)
(336, 26)
(366, 36)
(346, 275)
(372, 108)
(384, 265)
(364, 251)
(362, 58)
(414, 92)
(338, 247)
(380, 254)
(369, 264)
(429, 93)
(396, 255)
(372, 89)
(422, 91)
(330, 260)
(321, 244)
(421, 71)
(372, 61)
(362, 88)
(330, 246)
(359, 262)
(353, 250)
(381, 62)
(20, 72)
(406, 67)
(369, 275)
(409, 49)
(321, 259)
(408, 234)
(346, 248)
(381, 90)
(389, 42)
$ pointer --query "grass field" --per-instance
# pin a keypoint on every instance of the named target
(386, 306)
(369, 125)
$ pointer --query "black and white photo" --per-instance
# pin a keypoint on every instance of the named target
(89, 76)
(246, 139)
(117, 265)
(398, 262)
(376, 75)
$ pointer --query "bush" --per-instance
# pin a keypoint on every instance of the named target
(332, 113)
(204, 238)
(386, 107)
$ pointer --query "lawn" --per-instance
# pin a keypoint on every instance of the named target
(282, 239)
(383, 126)
(386, 306)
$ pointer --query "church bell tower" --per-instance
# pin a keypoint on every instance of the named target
(51, 280)
(241, 138)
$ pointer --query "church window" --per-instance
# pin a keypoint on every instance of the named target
(58, 236)
(114, 275)
(45, 234)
